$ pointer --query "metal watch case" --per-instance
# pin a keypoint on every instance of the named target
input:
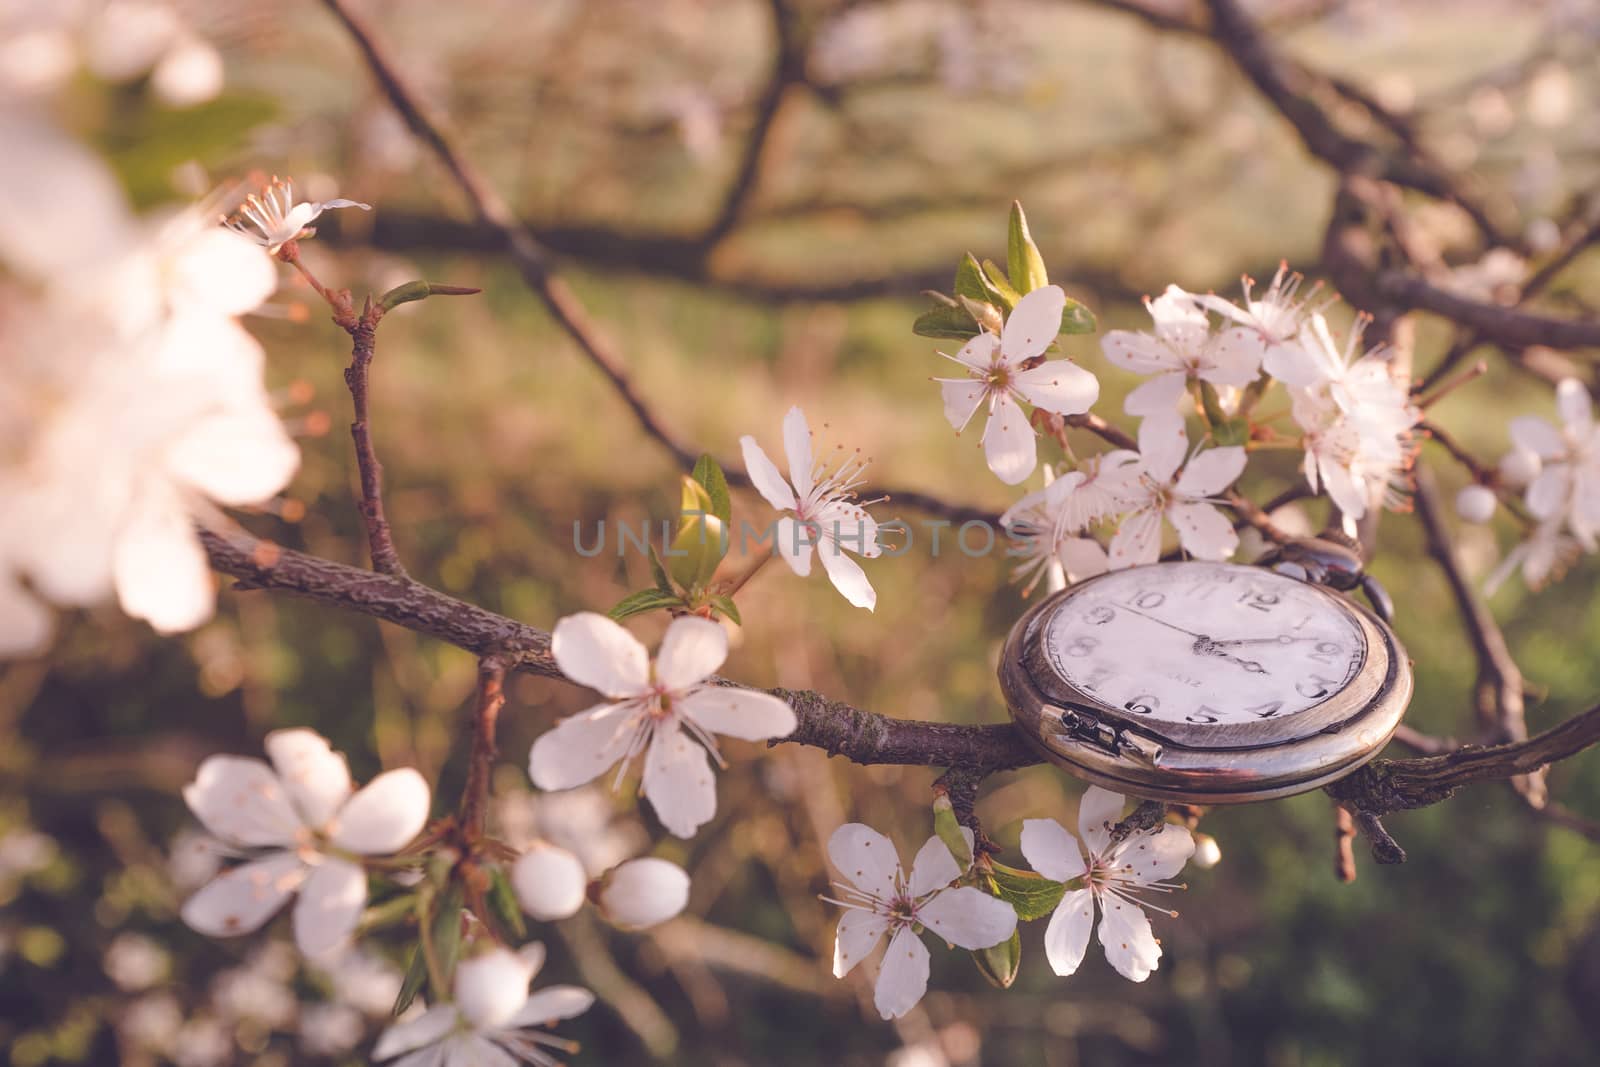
(1230, 764)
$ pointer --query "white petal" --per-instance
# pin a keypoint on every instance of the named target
(969, 918)
(469, 1049)
(847, 576)
(1537, 436)
(189, 74)
(385, 815)
(865, 858)
(1033, 324)
(316, 777)
(1156, 855)
(549, 882)
(26, 625)
(342, 202)
(859, 933)
(1125, 934)
(221, 272)
(1163, 442)
(678, 782)
(1137, 541)
(162, 573)
(1098, 811)
(691, 650)
(331, 899)
(644, 892)
(426, 1029)
(978, 353)
(236, 457)
(1067, 937)
(1060, 386)
(933, 868)
(1139, 352)
(491, 988)
(794, 542)
(764, 475)
(240, 900)
(242, 802)
(1204, 531)
(64, 207)
(1547, 495)
(1008, 442)
(1572, 400)
(1293, 365)
(1212, 471)
(582, 747)
(552, 1004)
(1235, 357)
(797, 447)
(1158, 396)
(1051, 850)
(961, 399)
(903, 975)
(1083, 558)
(595, 651)
(741, 713)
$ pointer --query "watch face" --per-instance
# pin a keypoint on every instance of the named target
(1196, 649)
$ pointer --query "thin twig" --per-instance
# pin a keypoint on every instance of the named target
(1344, 857)
(380, 540)
(480, 763)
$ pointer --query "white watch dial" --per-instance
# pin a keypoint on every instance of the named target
(1205, 644)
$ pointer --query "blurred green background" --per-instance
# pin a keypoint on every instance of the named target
(615, 126)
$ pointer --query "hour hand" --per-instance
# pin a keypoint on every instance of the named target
(1281, 639)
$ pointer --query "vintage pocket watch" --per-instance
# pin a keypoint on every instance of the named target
(1209, 683)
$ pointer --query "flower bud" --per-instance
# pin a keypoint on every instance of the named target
(1476, 503)
(549, 882)
(1207, 853)
(492, 987)
(643, 893)
(1519, 467)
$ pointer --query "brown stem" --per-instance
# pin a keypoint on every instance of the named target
(380, 541)
(480, 762)
(1344, 833)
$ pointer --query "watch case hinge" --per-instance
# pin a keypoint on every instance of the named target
(1083, 727)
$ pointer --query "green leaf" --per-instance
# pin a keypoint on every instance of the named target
(1002, 286)
(702, 539)
(642, 601)
(973, 284)
(948, 830)
(715, 483)
(1032, 895)
(945, 321)
(658, 571)
(1023, 262)
(407, 292)
(441, 942)
(416, 974)
(503, 904)
(1077, 318)
(724, 603)
(1000, 963)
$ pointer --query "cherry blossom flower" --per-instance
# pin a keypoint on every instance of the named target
(825, 513)
(271, 218)
(1112, 875)
(1009, 368)
(1043, 532)
(303, 811)
(642, 893)
(660, 710)
(1267, 329)
(1157, 489)
(493, 1021)
(1543, 556)
(1567, 486)
(1182, 349)
(880, 899)
(1476, 503)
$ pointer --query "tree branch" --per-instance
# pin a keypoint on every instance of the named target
(1491, 322)
(380, 540)
(480, 763)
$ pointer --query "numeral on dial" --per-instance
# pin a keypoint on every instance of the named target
(1325, 651)
(1205, 715)
(1144, 704)
(1099, 616)
(1259, 601)
(1315, 687)
(1267, 710)
(1081, 646)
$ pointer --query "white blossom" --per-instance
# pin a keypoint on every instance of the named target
(880, 899)
(1567, 487)
(1155, 488)
(1268, 329)
(1008, 369)
(659, 710)
(549, 882)
(1043, 532)
(447, 1035)
(1543, 556)
(1113, 876)
(1182, 349)
(643, 892)
(330, 1029)
(272, 218)
(822, 511)
(302, 810)
(1476, 503)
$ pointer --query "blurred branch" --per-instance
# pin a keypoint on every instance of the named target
(480, 763)
(531, 260)
(1492, 322)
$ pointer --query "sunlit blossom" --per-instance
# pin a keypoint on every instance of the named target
(273, 218)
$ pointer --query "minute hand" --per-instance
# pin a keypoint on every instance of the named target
(1164, 622)
(1282, 639)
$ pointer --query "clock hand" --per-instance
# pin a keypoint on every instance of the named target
(1281, 639)
(1199, 638)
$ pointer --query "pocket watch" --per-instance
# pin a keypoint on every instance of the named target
(1210, 683)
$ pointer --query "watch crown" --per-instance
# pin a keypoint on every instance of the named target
(1140, 748)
